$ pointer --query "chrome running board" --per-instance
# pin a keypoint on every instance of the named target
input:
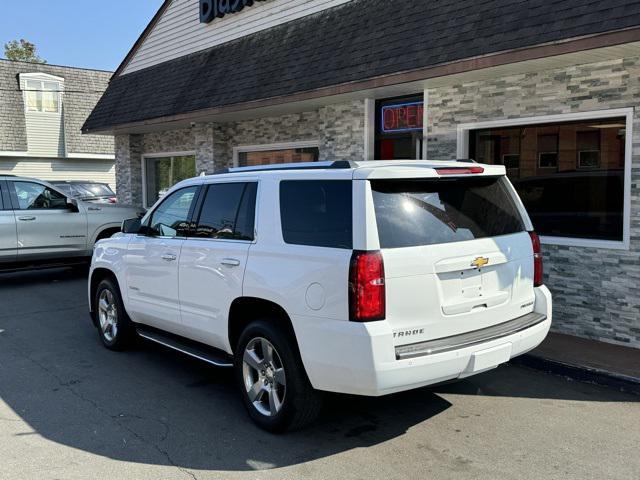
(469, 339)
(197, 350)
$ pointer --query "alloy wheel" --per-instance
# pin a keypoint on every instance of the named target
(108, 315)
(264, 377)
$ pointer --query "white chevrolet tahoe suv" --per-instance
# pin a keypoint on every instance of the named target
(363, 278)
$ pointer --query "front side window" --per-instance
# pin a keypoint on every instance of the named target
(35, 196)
(569, 175)
(317, 212)
(171, 218)
(42, 96)
(162, 173)
(228, 212)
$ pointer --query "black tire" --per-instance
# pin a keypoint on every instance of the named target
(124, 333)
(301, 403)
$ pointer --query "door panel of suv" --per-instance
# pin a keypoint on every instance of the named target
(8, 238)
(152, 262)
(46, 226)
(213, 260)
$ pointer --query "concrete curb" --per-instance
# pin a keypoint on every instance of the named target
(581, 373)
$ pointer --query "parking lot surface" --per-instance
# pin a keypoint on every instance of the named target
(70, 409)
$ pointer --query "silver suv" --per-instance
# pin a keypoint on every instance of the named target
(41, 225)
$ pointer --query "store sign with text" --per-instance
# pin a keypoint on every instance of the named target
(212, 9)
(402, 117)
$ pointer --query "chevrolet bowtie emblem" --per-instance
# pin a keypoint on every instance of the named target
(480, 262)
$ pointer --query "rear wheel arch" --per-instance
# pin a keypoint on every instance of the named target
(245, 310)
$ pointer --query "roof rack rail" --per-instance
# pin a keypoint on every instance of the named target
(337, 164)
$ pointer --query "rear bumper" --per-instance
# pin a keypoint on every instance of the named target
(361, 358)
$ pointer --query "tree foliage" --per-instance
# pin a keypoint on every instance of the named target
(22, 51)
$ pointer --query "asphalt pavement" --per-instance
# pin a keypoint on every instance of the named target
(70, 409)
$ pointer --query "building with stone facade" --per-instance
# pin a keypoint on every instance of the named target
(550, 89)
(42, 110)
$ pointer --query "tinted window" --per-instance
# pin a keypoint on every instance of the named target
(317, 213)
(228, 211)
(171, 218)
(1, 195)
(35, 196)
(569, 175)
(427, 212)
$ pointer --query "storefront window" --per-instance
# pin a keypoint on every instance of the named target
(399, 128)
(269, 157)
(161, 173)
(569, 175)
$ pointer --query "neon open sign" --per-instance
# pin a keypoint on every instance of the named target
(403, 117)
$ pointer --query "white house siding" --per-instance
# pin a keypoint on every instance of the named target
(45, 134)
(61, 169)
(179, 31)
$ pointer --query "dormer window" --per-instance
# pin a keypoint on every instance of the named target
(42, 93)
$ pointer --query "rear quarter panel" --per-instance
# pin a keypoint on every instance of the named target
(303, 280)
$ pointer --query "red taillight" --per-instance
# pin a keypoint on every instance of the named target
(366, 287)
(459, 170)
(113, 200)
(537, 260)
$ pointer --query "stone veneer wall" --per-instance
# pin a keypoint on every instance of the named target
(339, 130)
(596, 291)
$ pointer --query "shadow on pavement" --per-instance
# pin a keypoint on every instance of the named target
(154, 406)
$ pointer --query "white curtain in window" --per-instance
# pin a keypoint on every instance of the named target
(50, 97)
(34, 96)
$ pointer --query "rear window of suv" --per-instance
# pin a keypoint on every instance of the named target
(317, 212)
(427, 212)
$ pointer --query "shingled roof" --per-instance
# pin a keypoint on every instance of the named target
(359, 40)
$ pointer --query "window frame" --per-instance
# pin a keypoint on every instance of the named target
(13, 196)
(464, 129)
(143, 167)
(195, 218)
(42, 78)
(237, 150)
(146, 222)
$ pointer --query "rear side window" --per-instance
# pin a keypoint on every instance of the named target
(317, 212)
(427, 212)
(228, 212)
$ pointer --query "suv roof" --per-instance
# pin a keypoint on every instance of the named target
(375, 169)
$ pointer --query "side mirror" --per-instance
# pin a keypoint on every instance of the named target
(131, 225)
(72, 205)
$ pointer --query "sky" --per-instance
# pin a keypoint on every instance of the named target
(79, 33)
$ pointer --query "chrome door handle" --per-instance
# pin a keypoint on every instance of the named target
(230, 262)
(94, 209)
(26, 219)
(169, 257)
